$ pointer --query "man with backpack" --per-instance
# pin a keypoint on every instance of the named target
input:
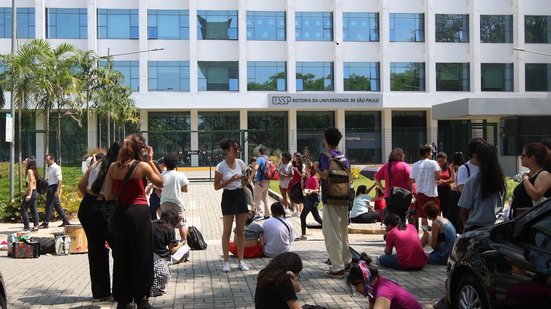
(334, 170)
(262, 183)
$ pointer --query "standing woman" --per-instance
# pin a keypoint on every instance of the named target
(454, 216)
(395, 173)
(30, 196)
(230, 174)
(444, 184)
(133, 250)
(311, 199)
(298, 175)
(92, 216)
(285, 170)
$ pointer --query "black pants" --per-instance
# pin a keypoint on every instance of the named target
(133, 253)
(94, 223)
(310, 205)
(52, 201)
(444, 194)
(366, 217)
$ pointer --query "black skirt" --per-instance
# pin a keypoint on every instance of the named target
(234, 202)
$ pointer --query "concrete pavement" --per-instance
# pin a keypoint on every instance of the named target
(63, 281)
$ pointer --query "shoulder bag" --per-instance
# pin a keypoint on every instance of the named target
(109, 206)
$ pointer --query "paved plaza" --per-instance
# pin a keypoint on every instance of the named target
(63, 281)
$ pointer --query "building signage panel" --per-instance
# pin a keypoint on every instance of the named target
(9, 128)
(334, 100)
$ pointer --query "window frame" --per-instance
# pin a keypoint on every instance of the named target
(419, 36)
(327, 27)
(277, 15)
(104, 25)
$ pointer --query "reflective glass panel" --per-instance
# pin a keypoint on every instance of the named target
(452, 28)
(496, 28)
(407, 76)
(168, 76)
(538, 77)
(169, 132)
(314, 76)
(66, 23)
(168, 24)
(314, 26)
(117, 24)
(361, 76)
(537, 29)
(310, 128)
(497, 76)
(409, 130)
(361, 27)
(266, 26)
(266, 75)
(407, 27)
(363, 137)
(217, 25)
(130, 71)
(218, 76)
(452, 77)
(268, 129)
(25, 23)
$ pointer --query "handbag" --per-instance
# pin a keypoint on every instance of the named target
(110, 206)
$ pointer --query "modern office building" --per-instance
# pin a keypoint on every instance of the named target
(388, 73)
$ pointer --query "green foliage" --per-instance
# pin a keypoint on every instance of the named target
(357, 82)
(355, 172)
(510, 184)
(5, 169)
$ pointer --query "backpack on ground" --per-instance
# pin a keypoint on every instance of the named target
(270, 171)
(339, 179)
(62, 244)
(47, 245)
(41, 185)
(195, 239)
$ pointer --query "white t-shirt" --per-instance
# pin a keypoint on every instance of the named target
(54, 174)
(173, 181)
(423, 173)
(223, 169)
(277, 236)
(463, 174)
(288, 170)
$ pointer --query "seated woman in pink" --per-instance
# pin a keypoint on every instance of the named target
(409, 253)
(382, 292)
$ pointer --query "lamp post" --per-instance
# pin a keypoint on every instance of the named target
(12, 106)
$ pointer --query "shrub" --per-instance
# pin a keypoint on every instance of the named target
(5, 169)
(510, 185)
(355, 172)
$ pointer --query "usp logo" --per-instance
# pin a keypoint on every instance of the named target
(281, 100)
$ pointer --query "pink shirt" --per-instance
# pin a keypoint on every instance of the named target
(400, 176)
(409, 252)
(398, 296)
(312, 183)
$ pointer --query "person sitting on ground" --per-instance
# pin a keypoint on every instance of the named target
(380, 203)
(278, 232)
(409, 253)
(362, 211)
(277, 283)
(254, 239)
(382, 292)
(165, 245)
(442, 235)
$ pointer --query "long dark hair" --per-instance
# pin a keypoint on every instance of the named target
(355, 276)
(136, 142)
(539, 152)
(105, 162)
(457, 160)
(276, 271)
(298, 163)
(31, 165)
(490, 175)
(169, 219)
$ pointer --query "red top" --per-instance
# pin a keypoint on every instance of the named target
(445, 175)
(312, 183)
(134, 191)
(296, 178)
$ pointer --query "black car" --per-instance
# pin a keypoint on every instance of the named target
(507, 265)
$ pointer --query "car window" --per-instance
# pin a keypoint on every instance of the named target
(539, 234)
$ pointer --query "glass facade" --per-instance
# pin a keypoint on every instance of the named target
(167, 24)
(314, 26)
(409, 130)
(130, 71)
(266, 26)
(268, 129)
(217, 25)
(452, 28)
(407, 27)
(310, 128)
(218, 76)
(496, 28)
(497, 76)
(407, 76)
(452, 77)
(118, 24)
(168, 76)
(538, 76)
(28, 136)
(363, 137)
(361, 27)
(73, 133)
(266, 76)
(520, 131)
(537, 29)
(66, 23)
(361, 76)
(169, 132)
(314, 76)
(25, 23)
(213, 128)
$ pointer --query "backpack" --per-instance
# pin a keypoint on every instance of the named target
(195, 239)
(41, 185)
(62, 244)
(339, 179)
(270, 171)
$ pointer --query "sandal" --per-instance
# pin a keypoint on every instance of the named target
(303, 237)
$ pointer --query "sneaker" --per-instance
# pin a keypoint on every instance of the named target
(26, 229)
(303, 237)
(34, 229)
(43, 225)
(64, 224)
(334, 274)
(226, 268)
(242, 266)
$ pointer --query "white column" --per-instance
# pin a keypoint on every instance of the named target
(242, 35)
(193, 72)
(386, 133)
(474, 24)
(92, 132)
(292, 127)
(384, 38)
(430, 47)
(340, 124)
(291, 53)
(244, 125)
(143, 44)
(92, 26)
(338, 68)
(518, 40)
(40, 123)
(40, 19)
(144, 124)
(432, 128)
(194, 115)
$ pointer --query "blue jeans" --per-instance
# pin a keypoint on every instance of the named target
(53, 201)
(25, 205)
(389, 260)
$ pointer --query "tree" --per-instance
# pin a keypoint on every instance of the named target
(357, 82)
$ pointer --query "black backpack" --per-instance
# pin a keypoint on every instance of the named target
(41, 185)
(195, 239)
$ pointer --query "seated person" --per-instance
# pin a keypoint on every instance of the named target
(278, 232)
(277, 284)
(254, 239)
(442, 235)
(409, 253)
(362, 211)
(165, 245)
(380, 203)
(382, 292)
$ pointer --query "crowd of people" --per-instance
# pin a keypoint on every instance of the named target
(134, 205)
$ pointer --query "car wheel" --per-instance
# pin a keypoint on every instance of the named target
(469, 294)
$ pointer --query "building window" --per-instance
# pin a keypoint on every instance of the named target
(310, 128)
(213, 128)
(168, 76)
(537, 29)
(130, 71)
(361, 76)
(268, 129)
(266, 26)
(218, 76)
(169, 132)
(25, 23)
(314, 76)
(117, 24)
(517, 132)
(167, 24)
(361, 27)
(407, 27)
(497, 76)
(452, 28)
(66, 23)
(496, 28)
(266, 76)
(407, 76)
(217, 25)
(452, 77)
(314, 26)
(363, 137)
(538, 77)
(409, 130)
